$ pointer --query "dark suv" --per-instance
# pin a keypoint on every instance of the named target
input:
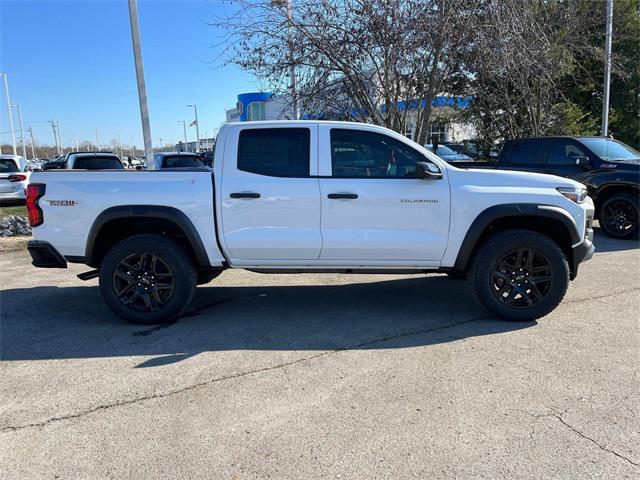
(610, 170)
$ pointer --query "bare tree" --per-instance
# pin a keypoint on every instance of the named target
(362, 60)
(521, 52)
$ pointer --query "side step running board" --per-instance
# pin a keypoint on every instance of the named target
(89, 275)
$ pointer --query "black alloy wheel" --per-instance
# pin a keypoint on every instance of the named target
(521, 278)
(619, 216)
(143, 282)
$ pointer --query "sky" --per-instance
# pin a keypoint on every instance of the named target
(72, 61)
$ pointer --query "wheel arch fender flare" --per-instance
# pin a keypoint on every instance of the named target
(504, 211)
(170, 214)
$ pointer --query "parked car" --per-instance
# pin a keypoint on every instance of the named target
(177, 160)
(86, 161)
(473, 150)
(447, 154)
(14, 177)
(294, 196)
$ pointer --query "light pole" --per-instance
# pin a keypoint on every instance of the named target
(8, 99)
(607, 70)
(22, 141)
(160, 143)
(142, 90)
(97, 141)
(195, 111)
(55, 135)
(184, 131)
(33, 144)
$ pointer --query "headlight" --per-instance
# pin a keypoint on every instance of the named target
(575, 194)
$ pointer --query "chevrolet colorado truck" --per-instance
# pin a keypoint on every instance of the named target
(305, 196)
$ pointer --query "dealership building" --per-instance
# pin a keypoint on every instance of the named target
(445, 112)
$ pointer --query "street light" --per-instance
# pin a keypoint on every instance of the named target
(24, 149)
(8, 99)
(142, 90)
(195, 122)
(184, 129)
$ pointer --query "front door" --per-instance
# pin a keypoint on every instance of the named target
(374, 209)
(270, 194)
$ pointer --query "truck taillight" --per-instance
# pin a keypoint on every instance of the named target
(34, 212)
(17, 178)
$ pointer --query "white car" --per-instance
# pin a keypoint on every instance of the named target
(14, 177)
(307, 196)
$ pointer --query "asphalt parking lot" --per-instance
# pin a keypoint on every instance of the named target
(321, 376)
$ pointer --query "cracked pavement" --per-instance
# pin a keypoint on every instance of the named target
(321, 376)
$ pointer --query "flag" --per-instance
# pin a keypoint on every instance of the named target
(195, 122)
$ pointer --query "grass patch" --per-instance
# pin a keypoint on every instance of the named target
(19, 210)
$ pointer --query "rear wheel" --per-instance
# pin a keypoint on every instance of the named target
(520, 275)
(619, 216)
(147, 279)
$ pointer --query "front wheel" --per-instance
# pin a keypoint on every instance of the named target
(619, 216)
(520, 275)
(147, 279)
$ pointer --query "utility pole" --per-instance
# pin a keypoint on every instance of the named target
(604, 131)
(33, 144)
(8, 99)
(142, 90)
(195, 111)
(184, 130)
(60, 138)
(55, 135)
(22, 141)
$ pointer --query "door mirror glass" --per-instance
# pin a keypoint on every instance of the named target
(428, 171)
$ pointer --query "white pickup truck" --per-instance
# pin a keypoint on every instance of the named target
(299, 196)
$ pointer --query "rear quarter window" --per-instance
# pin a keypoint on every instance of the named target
(275, 152)
(8, 166)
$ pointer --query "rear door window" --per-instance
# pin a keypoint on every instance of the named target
(276, 152)
(527, 152)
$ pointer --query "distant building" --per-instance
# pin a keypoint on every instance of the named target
(445, 124)
(206, 144)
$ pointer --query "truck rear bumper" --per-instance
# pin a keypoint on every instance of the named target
(44, 255)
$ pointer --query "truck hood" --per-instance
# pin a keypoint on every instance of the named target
(510, 178)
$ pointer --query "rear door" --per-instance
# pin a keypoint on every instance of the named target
(529, 155)
(270, 194)
(8, 168)
(374, 209)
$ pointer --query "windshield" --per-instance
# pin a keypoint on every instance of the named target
(182, 161)
(97, 163)
(8, 166)
(611, 150)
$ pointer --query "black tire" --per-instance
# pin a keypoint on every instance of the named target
(457, 275)
(147, 279)
(205, 277)
(618, 216)
(519, 275)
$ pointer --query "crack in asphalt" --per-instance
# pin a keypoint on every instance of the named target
(235, 376)
(560, 418)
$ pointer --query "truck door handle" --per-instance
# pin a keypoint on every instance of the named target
(348, 196)
(245, 195)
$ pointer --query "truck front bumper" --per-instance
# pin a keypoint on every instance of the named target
(44, 255)
(585, 250)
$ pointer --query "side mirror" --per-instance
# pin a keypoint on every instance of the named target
(427, 171)
(582, 161)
